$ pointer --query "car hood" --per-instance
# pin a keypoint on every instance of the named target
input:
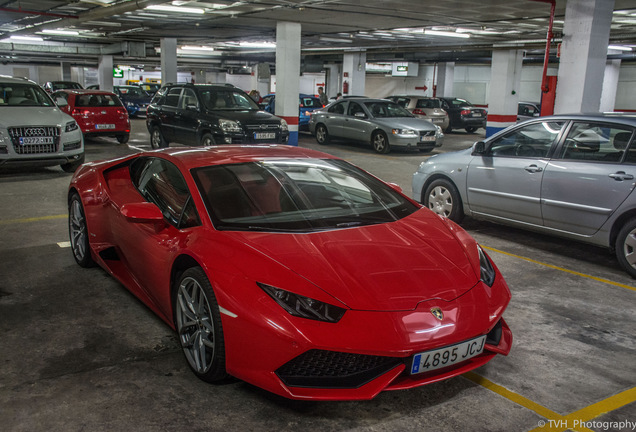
(32, 116)
(247, 116)
(405, 122)
(384, 267)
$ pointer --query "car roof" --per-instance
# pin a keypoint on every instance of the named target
(194, 157)
(15, 80)
(365, 99)
(85, 91)
(618, 117)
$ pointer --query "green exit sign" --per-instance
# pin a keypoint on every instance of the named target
(402, 68)
(118, 73)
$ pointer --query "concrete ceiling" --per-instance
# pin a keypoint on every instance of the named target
(387, 29)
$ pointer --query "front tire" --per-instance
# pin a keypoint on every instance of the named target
(198, 324)
(443, 198)
(322, 135)
(380, 142)
(626, 247)
(207, 140)
(157, 140)
(71, 167)
(471, 129)
(78, 232)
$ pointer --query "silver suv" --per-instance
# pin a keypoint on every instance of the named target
(33, 131)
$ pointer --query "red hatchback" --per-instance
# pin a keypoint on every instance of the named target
(98, 113)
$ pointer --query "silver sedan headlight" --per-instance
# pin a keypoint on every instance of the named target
(404, 132)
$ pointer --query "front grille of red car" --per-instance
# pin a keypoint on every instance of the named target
(332, 369)
(33, 132)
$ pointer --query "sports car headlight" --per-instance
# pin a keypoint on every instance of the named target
(229, 126)
(408, 132)
(283, 125)
(71, 126)
(487, 271)
(304, 307)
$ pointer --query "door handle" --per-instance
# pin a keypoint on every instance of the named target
(621, 175)
(533, 168)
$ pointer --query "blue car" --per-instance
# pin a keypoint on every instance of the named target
(134, 99)
(307, 104)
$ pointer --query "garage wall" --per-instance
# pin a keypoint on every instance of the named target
(626, 92)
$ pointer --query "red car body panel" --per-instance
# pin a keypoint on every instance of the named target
(388, 276)
(96, 120)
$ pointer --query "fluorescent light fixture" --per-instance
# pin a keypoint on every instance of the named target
(446, 33)
(477, 31)
(27, 38)
(258, 44)
(179, 9)
(329, 39)
(197, 48)
(619, 47)
(61, 32)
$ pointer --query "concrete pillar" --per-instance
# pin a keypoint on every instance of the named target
(105, 72)
(168, 60)
(332, 79)
(583, 55)
(288, 73)
(610, 83)
(504, 95)
(354, 73)
(66, 71)
(445, 79)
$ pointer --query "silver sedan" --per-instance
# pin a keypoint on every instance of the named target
(379, 122)
(570, 176)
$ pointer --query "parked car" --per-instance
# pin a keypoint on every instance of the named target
(381, 123)
(98, 113)
(306, 103)
(463, 115)
(134, 98)
(423, 107)
(291, 269)
(53, 86)
(208, 114)
(528, 110)
(150, 88)
(570, 176)
(33, 130)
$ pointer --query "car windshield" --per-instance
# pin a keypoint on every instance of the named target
(386, 110)
(215, 98)
(461, 102)
(23, 95)
(297, 195)
(61, 85)
(132, 91)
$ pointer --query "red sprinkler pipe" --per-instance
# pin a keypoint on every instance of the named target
(546, 58)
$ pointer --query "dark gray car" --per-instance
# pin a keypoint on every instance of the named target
(379, 122)
(571, 176)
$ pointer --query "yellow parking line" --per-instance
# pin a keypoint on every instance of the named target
(607, 281)
(33, 219)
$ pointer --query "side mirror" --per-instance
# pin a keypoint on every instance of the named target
(479, 148)
(142, 212)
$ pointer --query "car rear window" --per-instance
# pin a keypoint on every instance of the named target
(428, 103)
(97, 100)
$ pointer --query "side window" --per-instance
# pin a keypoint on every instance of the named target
(403, 102)
(161, 183)
(188, 98)
(337, 108)
(172, 97)
(589, 141)
(354, 108)
(159, 97)
(531, 141)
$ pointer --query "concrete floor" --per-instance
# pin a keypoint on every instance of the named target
(79, 353)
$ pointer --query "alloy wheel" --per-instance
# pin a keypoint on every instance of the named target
(77, 227)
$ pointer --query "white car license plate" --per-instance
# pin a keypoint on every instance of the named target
(264, 135)
(427, 139)
(35, 140)
(438, 120)
(105, 126)
(447, 356)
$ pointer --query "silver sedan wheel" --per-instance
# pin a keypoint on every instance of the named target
(77, 228)
(440, 201)
(195, 325)
(380, 143)
(629, 248)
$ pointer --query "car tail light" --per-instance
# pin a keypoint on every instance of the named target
(80, 112)
(465, 112)
(419, 111)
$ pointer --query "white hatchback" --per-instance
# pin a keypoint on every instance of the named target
(33, 130)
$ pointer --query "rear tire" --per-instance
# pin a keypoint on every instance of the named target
(322, 135)
(471, 129)
(157, 140)
(626, 247)
(443, 198)
(207, 140)
(199, 328)
(123, 139)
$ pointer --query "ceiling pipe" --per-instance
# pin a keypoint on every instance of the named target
(546, 57)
